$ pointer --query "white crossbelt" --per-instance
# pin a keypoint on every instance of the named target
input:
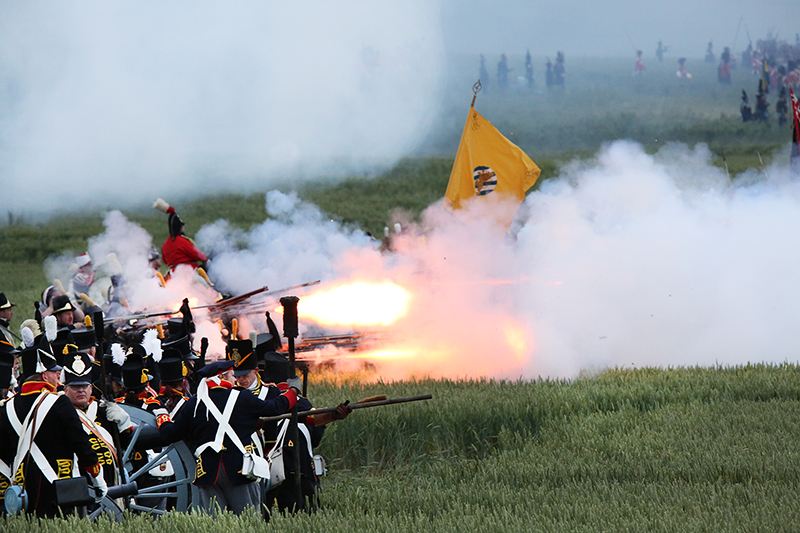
(27, 434)
(177, 407)
(224, 425)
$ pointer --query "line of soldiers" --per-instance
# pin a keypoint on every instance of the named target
(60, 415)
(555, 75)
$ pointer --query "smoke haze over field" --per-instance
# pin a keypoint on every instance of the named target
(114, 103)
(106, 103)
(600, 29)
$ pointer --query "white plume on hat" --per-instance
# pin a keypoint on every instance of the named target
(152, 344)
(50, 328)
(27, 337)
(161, 205)
(32, 325)
(253, 337)
(117, 354)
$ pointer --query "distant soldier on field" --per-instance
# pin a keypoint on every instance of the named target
(782, 107)
(762, 108)
(724, 69)
(745, 109)
(794, 158)
(710, 57)
(660, 49)
(483, 74)
(529, 70)
(559, 71)
(638, 65)
(502, 72)
(548, 75)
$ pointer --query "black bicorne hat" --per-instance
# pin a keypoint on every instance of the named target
(61, 303)
(175, 225)
(4, 303)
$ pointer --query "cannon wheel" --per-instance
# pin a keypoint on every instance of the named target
(180, 488)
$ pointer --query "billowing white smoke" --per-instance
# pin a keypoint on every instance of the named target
(630, 259)
(640, 260)
(105, 103)
(298, 245)
(626, 260)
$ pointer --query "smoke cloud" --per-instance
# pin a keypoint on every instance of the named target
(624, 260)
(105, 103)
(627, 260)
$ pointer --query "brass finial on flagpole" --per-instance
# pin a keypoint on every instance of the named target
(475, 90)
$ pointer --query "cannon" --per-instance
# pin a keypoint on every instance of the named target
(128, 495)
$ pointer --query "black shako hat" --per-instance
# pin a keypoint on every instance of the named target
(6, 365)
(134, 372)
(171, 367)
(84, 338)
(77, 367)
(276, 368)
(243, 357)
(37, 359)
(59, 345)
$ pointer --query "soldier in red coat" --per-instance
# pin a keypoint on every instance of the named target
(178, 249)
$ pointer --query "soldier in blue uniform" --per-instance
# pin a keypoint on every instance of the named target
(215, 423)
(57, 434)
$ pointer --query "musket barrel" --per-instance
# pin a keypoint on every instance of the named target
(363, 405)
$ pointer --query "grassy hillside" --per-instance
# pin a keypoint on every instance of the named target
(644, 450)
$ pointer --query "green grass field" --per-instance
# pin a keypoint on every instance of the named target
(628, 450)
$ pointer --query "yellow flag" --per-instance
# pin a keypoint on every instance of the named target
(489, 167)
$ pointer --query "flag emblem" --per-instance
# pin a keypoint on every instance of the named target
(489, 169)
(485, 180)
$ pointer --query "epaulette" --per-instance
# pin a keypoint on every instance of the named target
(151, 401)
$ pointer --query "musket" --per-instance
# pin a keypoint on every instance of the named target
(99, 334)
(251, 308)
(139, 316)
(218, 306)
(358, 405)
(237, 300)
(291, 332)
(309, 344)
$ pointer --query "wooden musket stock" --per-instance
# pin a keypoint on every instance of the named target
(362, 405)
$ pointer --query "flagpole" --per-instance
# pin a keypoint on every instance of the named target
(475, 90)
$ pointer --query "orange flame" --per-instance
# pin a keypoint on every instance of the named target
(357, 304)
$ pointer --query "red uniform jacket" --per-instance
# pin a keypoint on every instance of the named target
(180, 250)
